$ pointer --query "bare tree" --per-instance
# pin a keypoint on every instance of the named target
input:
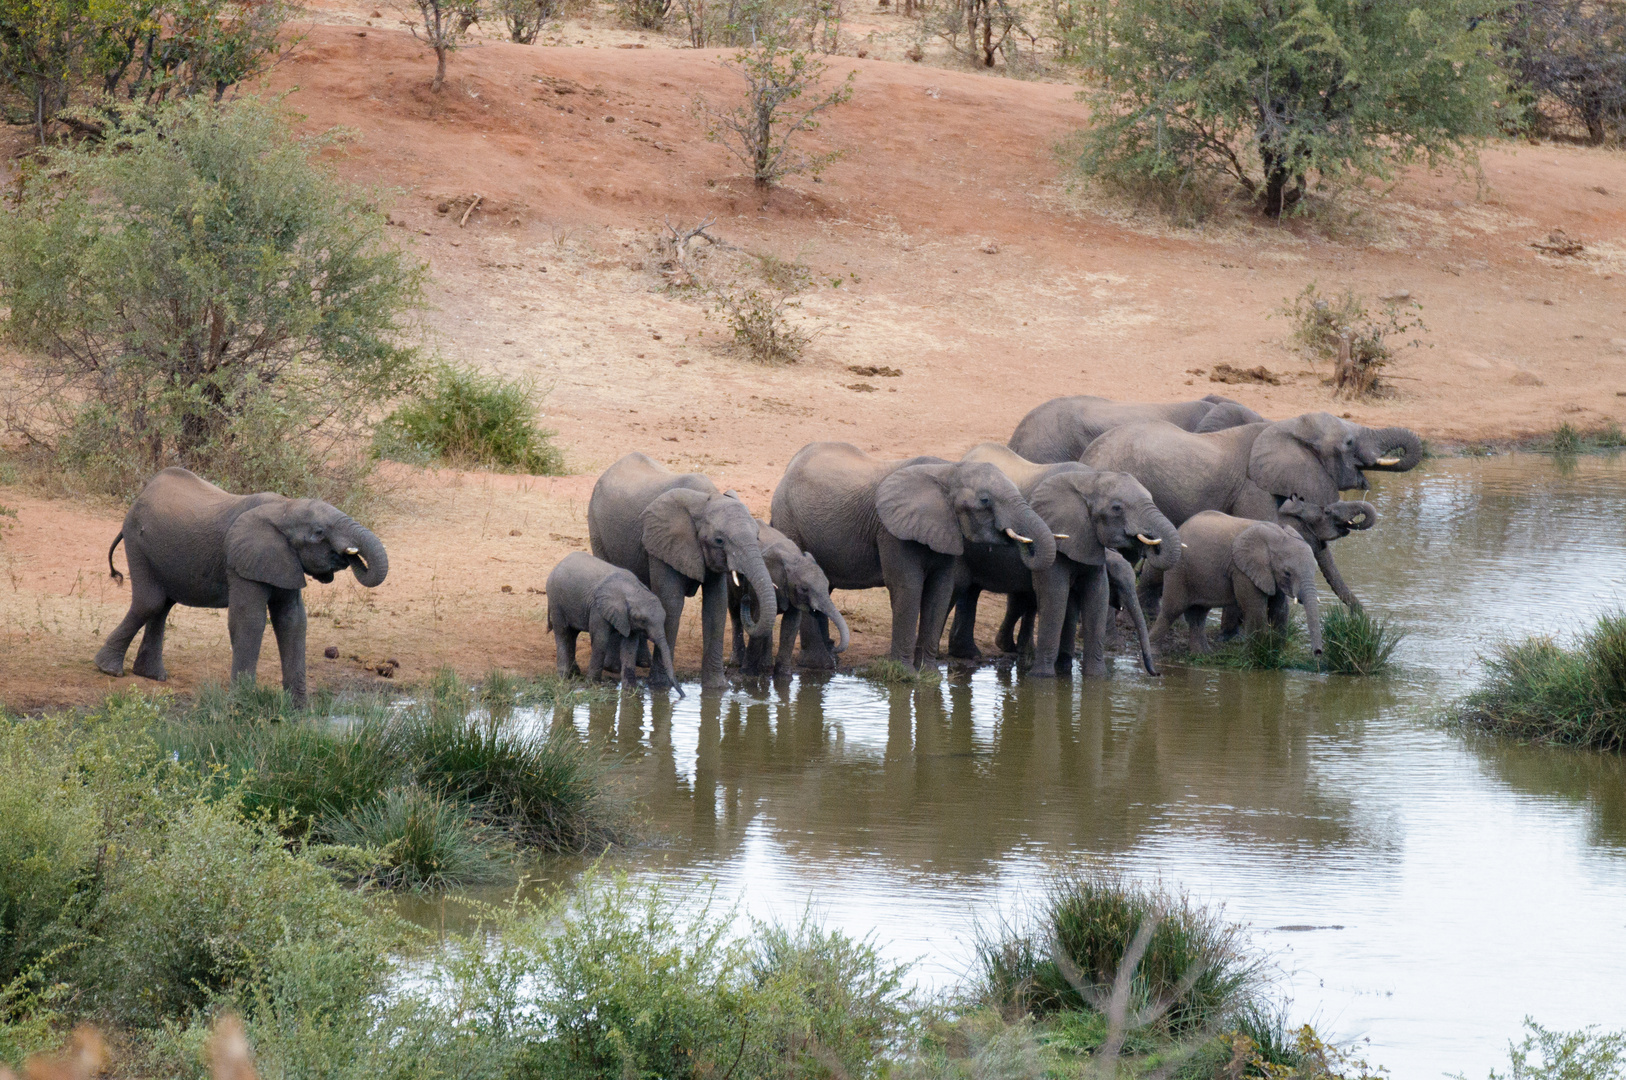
(1572, 53)
(526, 18)
(761, 131)
(442, 25)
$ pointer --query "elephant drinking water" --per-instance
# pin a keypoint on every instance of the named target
(188, 542)
(801, 590)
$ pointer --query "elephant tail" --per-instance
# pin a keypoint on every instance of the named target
(118, 578)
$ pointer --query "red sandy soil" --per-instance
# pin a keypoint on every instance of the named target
(948, 244)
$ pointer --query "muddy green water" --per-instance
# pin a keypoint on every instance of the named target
(1454, 885)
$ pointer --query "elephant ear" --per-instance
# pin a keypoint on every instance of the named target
(669, 532)
(913, 504)
(1250, 551)
(1063, 501)
(1284, 462)
(610, 601)
(258, 550)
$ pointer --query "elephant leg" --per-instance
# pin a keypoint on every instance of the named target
(1230, 622)
(1150, 592)
(288, 624)
(1196, 622)
(671, 588)
(1277, 611)
(1251, 602)
(146, 600)
(1329, 570)
(905, 579)
(713, 625)
(598, 641)
(564, 648)
(1016, 608)
(1051, 588)
(1068, 645)
(934, 609)
(1172, 604)
(790, 624)
(629, 659)
(1094, 613)
(963, 631)
(246, 606)
(757, 653)
(149, 661)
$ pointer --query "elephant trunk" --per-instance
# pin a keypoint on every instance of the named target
(664, 651)
(369, 562)
(1154, 526)
(827, 607)
(1379, 446)
(1312, 614)
(1355, 516)
(756, 617)
(1041, 553)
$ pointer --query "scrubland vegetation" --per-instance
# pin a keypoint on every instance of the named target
(1352, 643)
(1537, 689)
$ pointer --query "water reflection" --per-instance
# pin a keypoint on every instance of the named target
(1475, 881)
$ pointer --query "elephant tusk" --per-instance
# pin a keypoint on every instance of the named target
(352, 551)
(1062, 536)
(1148, 541)
(735, 574)
(1388, 461)
(1014, 535)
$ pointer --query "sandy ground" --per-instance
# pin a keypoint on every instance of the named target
(947, 245)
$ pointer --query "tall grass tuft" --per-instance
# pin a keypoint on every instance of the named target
(1535, 689)
(1355, 643)
(1267, 650)
(1195, 971)
(424, 841)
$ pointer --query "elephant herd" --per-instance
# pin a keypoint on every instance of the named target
(1218, 507)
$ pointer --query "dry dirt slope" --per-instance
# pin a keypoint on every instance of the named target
(945, 246)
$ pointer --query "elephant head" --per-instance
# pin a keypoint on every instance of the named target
(1317, 455)
(949, 504)
(281, 541)
(637, 611)
(700, 534)
(1092, 512)
(1320, 525)
(1277, 561)
(805, 587)
(1226, 414)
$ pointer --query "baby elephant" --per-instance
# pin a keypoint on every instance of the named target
(1252, 569)
(614, 608)
(188, 542)
(800, 588)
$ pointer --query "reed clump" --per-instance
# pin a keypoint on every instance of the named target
(1352, 643)
(1538, 690)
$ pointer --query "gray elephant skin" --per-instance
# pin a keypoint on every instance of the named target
(1061, 429)
(1100, 521)
(1250, 471)
(617, 612)
(188, 542)
(1319, 526)
(1251, 569)
(903, 525)
(677, 534)
(801, 589)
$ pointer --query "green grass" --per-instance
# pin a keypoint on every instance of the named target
(468, 419)
(1352, 643)
(423, 840)
(1538, 690)
(1568, 440)
(889, 672)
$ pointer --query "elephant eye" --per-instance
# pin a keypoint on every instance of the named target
(718, 541)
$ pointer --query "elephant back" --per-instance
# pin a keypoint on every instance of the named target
(620, 496)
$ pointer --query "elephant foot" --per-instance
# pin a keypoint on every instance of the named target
(1041, 671)
(964, 652)
(155, 672)
(714, 680)
(110, 665)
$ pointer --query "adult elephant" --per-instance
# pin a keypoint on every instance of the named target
(1101, 521)
(901, 524)
(1250, 471)
(677, 533)
(1061, 428)
(188, 542)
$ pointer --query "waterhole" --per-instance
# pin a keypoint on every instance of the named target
(1416, 888)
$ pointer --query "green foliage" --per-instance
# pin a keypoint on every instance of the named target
(1355, 643)
(889, 672)
(758, 318)
(644, 14)
(203, 294)
(424, 840)
(471, 420)
(1320, 320)
(763, 131)
(1588, 1054)
(1268, 650)
(1268, 94)
(443, 25)
(1193, 973)
(1535, 689)
(1568, 440)
(524, 19)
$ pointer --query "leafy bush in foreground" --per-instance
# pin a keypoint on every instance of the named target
(473, 420)
(200, 293)
(1536, 689)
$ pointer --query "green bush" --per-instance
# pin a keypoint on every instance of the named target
(1535, 689)
(424, 840)
(1588, 1054)
(198, 292)
(471, 420)
(1194, 972)
(1271, 94)
(1355, 643)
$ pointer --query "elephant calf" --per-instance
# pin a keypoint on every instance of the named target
(800, 589)
(188, 542)
(615, 609)
(1252, 569)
